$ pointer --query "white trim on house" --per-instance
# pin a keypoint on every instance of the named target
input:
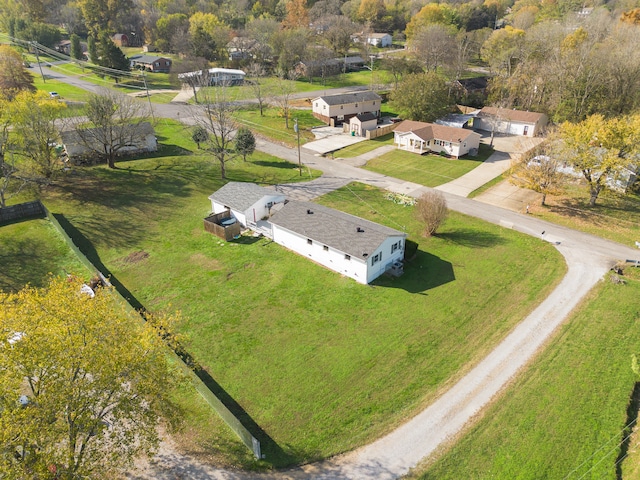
(421, 137)
(248, 203)
(352, 246)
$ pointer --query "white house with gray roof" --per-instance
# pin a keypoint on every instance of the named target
(349, 245)
(247, 202)
(337, 109)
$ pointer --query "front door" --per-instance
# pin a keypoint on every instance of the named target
(526, 130)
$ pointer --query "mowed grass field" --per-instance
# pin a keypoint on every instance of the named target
(564, 417)
(33, 250)
(30, 251)
(322, 364)
(428, 170)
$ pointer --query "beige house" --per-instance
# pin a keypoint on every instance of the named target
(360, 124)
(511, 122)
(337, 109)
(421, 137)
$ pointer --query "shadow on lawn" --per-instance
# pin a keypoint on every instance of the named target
(472, 238)
(24, 261)
(269, 447)
(424, 272)
(281, 164)
(627, 432)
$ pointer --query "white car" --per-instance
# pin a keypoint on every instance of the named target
(54, 95)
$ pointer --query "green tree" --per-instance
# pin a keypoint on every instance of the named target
(105, 15)
(13, 76)
(422, 97)
(76, 47)
(34, 117)
(502, 48)
(245, 142)
(111, 56)
(83, 383)
(11, 179)
(199, 135)
(432, 13)
(600, 148)
(92, 49)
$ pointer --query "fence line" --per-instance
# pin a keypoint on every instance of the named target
(210, 397)
(22, 210)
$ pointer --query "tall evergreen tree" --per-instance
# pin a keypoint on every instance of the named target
(76, 47)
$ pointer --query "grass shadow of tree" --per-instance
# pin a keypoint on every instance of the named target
(24, 261)
(472, 238)
(268, 445)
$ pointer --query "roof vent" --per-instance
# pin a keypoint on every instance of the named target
(309, 211)
(365, 255)
(359, 230)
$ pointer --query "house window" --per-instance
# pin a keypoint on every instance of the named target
(309, 241)
(325, 248)
(347, 257)
(340, 117)
(374, 102)
(394, 247)
(376, 258)
(341, 107)
(316, 104)
(324, 107)
(356, 105)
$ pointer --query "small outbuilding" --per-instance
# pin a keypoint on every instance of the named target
(511, 122)
(247, 202)
(360, 124)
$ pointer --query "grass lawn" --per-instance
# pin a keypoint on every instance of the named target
(428, 170)
(30, 250)
(272, 124)
(615, 216)
(364, 147)
(563, 418)
(321, 363)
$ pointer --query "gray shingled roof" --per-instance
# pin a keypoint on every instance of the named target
(333, 228)
(147, 59)
(240, 195)
(365, 117)
(346, 98)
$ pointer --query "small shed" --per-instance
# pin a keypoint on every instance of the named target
(247, 202)
(360, 124)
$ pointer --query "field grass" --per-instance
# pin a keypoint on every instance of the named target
(322, 364)
(428, 170)
(364, 147)
(615, 216)
(564, 417)
(272, 124)
(318, 376)
(30, 250)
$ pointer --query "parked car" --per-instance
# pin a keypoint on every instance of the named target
(54, 95)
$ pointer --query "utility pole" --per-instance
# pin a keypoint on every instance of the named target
(144, 79)
(297, 130)
(35, 47)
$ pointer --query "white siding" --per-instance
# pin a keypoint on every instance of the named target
(355, 268)
(255, 212)
(386, 257)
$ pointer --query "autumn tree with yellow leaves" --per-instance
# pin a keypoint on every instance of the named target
(83, 383)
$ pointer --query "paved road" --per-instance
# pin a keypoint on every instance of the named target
(588, 258)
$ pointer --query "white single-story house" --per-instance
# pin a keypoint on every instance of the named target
(354, 247)
(379, 39)
(512, 122)
(84, 146)
(362, 123)
(213, 76)
(247, 202)
(336, 109)
(421, 137)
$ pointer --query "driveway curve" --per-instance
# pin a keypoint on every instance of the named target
(393, 455)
